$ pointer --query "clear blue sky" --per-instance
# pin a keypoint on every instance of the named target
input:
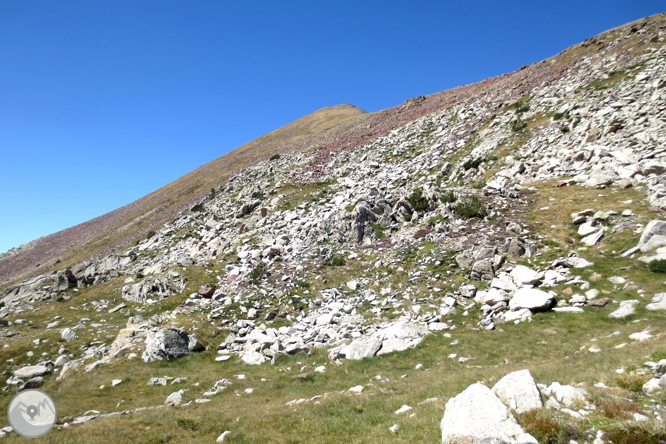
(103, 102)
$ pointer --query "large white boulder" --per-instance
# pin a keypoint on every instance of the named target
(523, 275)
(478, 416)
(364, 347)
(655, 229)
(518, 391)
(531, 298)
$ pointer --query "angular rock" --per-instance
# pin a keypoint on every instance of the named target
(365, 347)
(627, 308)
(482, 270)
(394, 336)
(206, 291)
(68, 334)
(176, 398)
(478, 416)
(523, 275)
(531, 298)
(166, 343)
(518, 391)
(593, 239)
(253, 358)
(31, 371)
(658, 302)
(653, 228)
(569, 396)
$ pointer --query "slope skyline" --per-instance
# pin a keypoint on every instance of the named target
(107, 106)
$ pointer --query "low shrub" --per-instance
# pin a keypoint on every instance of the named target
(338, 261)
(417, 200)
(470, 207)
(378, 230)
(275, 157)
(150, 234)
(658, 266)
(448, 197)
(259, 272)
(472, 163)
(518, 125)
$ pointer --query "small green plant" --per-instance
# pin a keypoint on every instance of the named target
(657, 266)
(212, 193)
(518, 125)
(478, 184)
(188, 424)
(472, 163)
(259, 272)
(338, 261)
(558, 116)
(378, 230)
(350, 208)
(435, 220)
(150, 234)
(417, 200)
(275, 157)
(408, 217)
(470, 207)
(448, 196)
(303, 284)
(565, 129)
(139, 275)
(197, 208)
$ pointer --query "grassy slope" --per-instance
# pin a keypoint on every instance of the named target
(122, 225)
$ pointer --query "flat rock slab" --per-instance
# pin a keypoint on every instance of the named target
(627, 308)
(394, 336)
(31, 371)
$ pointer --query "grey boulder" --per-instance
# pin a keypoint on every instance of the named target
(167, 343)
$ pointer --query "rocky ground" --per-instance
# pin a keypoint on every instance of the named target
(468, 211)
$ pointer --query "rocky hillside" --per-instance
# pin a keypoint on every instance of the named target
(358, 271)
